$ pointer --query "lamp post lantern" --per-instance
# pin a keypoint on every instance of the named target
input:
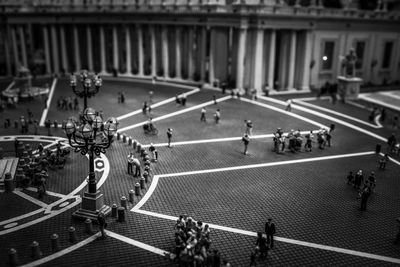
(91, 83)
(92, 137)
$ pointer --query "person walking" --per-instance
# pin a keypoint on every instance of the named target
(154, 152)
(358, 179)
(289, 105)
(130, 163)
(203, 114)
(364, 197)
(246, 141)
(217, 116)
(383, 161)
(169, 136)
(249, 127)
(270, 230)
(102, 224)
(136, 163)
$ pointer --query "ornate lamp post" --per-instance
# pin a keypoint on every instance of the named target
(89, 139)
(88, 80)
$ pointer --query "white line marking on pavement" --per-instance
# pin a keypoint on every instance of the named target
(148, 194)
(52, 214)
(26, 215)
(283, 239)
(31, 199)
(175, 113)
(336, 113)
(243, 167)
(390, 93)
(54, 194)
(63, 252)
(285, 112)
(215, 140)
(377, 120)
(319, 114)
(172, 99)
(44, 114)
(367, 97)
(357, 105)
(312, 98)
(391, 159)
(137, 243)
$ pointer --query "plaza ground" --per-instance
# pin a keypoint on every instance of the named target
(206, 175)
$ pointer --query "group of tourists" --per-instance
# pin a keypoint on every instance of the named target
(293, 141)
(264, 242)
(193, 244)
(67, 103)
(363, 186)
(217, 115)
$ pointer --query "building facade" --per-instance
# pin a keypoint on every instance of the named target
(274, 44)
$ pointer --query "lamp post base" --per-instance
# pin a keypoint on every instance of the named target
(92, 205)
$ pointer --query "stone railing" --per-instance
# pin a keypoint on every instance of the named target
(260, 7)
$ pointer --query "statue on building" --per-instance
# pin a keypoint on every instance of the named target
(349, 63)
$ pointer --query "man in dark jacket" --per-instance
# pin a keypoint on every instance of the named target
(270, 231)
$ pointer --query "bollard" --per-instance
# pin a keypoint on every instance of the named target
(131, 193)
(123, 202)
(142, 181)
(114, 210)
(55, 243)
(124, 138)
(121, 214)
(134, 144)
(1, 153)
(130, 140)
(8, 182)
(378, 148)
(137, 189)
(138, 147)
(13, 257)
(72, 234)
(118, 136)
(88, 226)
(35, 248)
(147, 169)
(146, 176)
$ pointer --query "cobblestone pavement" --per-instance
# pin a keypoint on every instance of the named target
(305, 193)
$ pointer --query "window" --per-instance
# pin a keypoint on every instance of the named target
(327, 56)
(387, 55)
(360, 48)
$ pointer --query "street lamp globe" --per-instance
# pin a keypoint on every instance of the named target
(87, 83)
(97, 122)
(87, 131)
(89, 114)
(110, 128)
(69, 127)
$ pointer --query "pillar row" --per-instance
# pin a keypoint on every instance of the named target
(271, 59)
(102, 51)
(54, 44)
(240, 58)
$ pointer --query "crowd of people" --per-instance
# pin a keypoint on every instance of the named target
(364, 187)
(293, 141)
(67, 103)
(193, 244)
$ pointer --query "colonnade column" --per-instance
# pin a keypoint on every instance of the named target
(203, 54)
(305, 83)
(46, 49)
(7, 52)
(128, 51)
(271, 59)
(178, 53)
(23, 46)
(190, 54)
(115, 49)
(258, 60)
(211, 75)
(54, 44)
(165, 58)
(240, 57)
(102, 51)
(140, 50)
(78, 65)
(153, 52)
(89, 48)
(292, 60)
(15, 49)
(63, 49)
